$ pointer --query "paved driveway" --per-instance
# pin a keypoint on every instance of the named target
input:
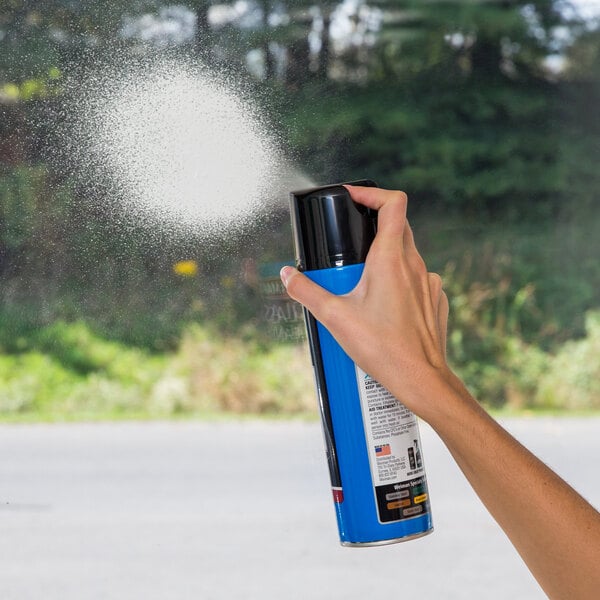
(241, 510)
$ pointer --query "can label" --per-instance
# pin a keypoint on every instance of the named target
(394, 448)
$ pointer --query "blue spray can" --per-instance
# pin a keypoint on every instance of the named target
(372, 440)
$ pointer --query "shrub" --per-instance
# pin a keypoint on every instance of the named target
(29, 382)
(485, 344)
(66, 371)
(572, 380)
(240, 374)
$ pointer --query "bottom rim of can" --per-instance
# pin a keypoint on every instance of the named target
(406, 538)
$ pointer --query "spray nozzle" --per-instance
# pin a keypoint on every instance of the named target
(330, 229)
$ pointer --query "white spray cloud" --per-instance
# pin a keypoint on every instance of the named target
(183, 146)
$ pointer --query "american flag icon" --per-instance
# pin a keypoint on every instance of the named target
(383, 450)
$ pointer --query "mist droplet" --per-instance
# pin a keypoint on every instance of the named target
(182, 145)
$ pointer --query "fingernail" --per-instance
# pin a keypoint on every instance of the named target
(286, 274)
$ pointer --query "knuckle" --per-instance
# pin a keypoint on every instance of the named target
(436, 280)
(436, 286)
(401, 197)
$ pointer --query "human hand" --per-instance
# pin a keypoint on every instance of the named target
(393, 323)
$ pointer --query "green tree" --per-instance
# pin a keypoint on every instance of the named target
(475, 38)
(460, 108)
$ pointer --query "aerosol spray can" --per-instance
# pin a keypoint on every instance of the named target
(372, 441)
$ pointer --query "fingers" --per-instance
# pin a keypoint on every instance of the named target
(374, 197)
(390, 204)
(300, 288)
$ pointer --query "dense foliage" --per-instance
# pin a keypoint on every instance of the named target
(485, 112)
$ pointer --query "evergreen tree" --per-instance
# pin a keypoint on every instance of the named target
(460, 109)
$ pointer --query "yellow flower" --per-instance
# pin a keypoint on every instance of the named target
(11, 91)
(186, 268)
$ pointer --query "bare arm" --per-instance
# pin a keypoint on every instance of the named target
(393, 324)
(556, 532)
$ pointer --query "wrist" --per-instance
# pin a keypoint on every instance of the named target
(440, 398)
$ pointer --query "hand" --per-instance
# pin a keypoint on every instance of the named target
(393, 323)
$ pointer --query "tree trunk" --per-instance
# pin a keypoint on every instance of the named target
(203, 41)
(323, 70)
(269, 62)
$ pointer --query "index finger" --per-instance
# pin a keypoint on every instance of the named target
(391, 205)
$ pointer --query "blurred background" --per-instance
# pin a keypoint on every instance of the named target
(485, 112)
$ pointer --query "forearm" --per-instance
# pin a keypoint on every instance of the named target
(556, 532)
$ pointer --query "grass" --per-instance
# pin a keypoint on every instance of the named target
(66, 372)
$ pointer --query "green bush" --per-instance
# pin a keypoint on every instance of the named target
(486, 321)
(242, 375)
(32, 381)
(82, 351)
(66, 371)
(572, 380)
(522, 376)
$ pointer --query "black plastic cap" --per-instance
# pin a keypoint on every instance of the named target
(330, 229)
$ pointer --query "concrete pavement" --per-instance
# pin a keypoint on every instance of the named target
(242, 510)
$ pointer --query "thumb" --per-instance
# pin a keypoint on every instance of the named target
(311, 295)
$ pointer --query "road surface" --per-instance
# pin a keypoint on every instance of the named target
(242, 510)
